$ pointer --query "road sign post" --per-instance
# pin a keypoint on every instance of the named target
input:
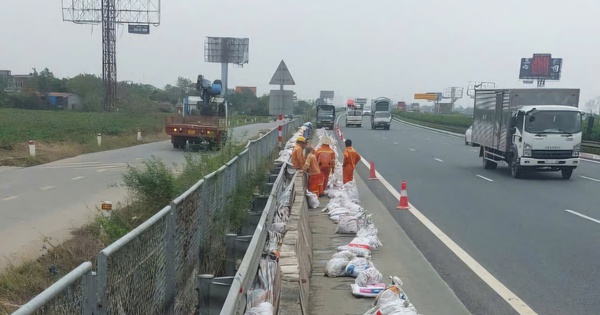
(281, 77)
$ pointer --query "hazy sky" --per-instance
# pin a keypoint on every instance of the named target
(391, 48)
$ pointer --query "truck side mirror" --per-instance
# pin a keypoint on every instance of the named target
(513, 121)
(513, 130)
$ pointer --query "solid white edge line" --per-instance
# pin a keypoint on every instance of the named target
(582, 216)
(483, 177)
(452, 134)
(517, 304)
(592, 179)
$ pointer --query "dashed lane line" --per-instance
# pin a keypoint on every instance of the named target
(412, 149)
(395, 142)
(47, 187)
(483, 177)
(78, 177)
(10, 198)
(511, 298)
(582, 216)
(589, 178)
(439, 160)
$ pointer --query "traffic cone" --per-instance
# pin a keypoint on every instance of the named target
(403, 205)
(372, 174)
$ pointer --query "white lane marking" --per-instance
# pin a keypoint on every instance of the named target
(438, 160)
(427, 139)
(489, 180)
(10, 198)
(592, 179)
(412, 149)
(384, 138)
(138, 158)
(512, 299)
(100, 171)
(78, 177)
(582, 215)
(395, 142)
(47, 187)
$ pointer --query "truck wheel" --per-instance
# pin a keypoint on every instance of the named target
(566, 173)
(515, 170)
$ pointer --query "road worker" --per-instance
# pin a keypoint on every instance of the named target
(298, 159)
(351, 158)
(315, 180)
(326, 160)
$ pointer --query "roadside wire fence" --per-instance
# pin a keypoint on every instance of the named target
(153, 269)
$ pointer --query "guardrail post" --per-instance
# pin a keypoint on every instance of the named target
(204, 282)
(102, 281)
(231, 257)
(90, 295)
(171, 222)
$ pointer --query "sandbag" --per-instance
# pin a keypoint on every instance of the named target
(336, 267)
(313, 200)
(358, 265)
(264, 308)
(347, 224)
(371, 276)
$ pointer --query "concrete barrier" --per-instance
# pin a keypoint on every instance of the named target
(295, 262)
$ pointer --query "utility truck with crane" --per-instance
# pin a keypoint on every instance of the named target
(531, 130)
(203, 122)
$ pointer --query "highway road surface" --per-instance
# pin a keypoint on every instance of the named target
(539, 236)
(50, 199)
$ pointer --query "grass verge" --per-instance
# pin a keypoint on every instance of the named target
(460, 124)
(63, 134)
(149, 190)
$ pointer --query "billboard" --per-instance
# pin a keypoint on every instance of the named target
(426, 96)
(326, 94)
(541, 66)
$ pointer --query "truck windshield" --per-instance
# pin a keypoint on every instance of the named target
(324, 113)
(354, 113)
(553, 122)
(382, 115)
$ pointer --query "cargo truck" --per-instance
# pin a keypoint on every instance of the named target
(325, 116)
(531, 130)
(354, 117)
(381, 117)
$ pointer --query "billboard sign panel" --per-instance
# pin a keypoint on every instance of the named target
(326, 94)
(541, 66)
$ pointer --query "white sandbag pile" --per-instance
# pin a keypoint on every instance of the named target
(260, 298)
(354, 259)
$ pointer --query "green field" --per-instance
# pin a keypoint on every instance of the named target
(18, 125)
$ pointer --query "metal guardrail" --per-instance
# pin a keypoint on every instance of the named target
(235, 302)
(153, 269)
(591, 144)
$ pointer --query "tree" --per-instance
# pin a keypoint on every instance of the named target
(90, 89)
(592, 106)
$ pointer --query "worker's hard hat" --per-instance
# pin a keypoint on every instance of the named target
(326, 141)
(301, 139)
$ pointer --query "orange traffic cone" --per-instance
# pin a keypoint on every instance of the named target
(372, 174)
(403, 205)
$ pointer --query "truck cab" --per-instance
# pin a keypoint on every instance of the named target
(325, 116)
(354, 117)
(547, 137)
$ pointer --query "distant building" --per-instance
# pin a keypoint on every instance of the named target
(14, 82)
(68, 101)
(241, 89)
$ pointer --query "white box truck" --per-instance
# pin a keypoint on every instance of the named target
(533, 130)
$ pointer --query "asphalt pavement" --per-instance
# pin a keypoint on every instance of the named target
(517, 229)
(48, 200)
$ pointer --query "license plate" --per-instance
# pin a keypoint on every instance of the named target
(551, 161)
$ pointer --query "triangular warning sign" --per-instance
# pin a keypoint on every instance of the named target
(282, 76)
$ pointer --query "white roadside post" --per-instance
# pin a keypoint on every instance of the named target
(31, 148)
(99, 139)
(139, 135)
